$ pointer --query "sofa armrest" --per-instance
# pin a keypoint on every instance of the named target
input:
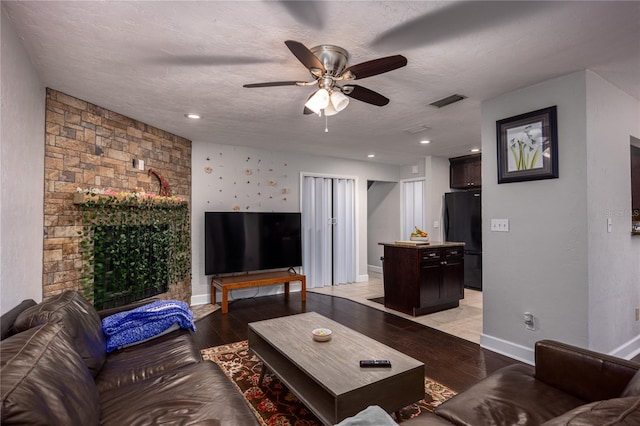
(588, 375)
(9, 318)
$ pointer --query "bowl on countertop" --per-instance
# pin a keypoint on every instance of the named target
(321, 334)
(425, 239)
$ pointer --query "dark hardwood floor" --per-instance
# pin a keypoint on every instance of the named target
(454, 362)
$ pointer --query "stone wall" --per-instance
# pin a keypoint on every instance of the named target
(86, 147)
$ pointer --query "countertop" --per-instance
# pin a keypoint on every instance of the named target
(422, 245)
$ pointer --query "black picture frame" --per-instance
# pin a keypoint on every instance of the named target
(528, 146)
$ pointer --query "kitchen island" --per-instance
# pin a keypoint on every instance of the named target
(423, 278)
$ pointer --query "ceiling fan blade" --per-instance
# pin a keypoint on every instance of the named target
(272, 84)
(365, 95)
(305, 55)
(456, 19)
(307, 12)
(374, 67)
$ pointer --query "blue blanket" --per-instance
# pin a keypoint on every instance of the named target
(139, 324)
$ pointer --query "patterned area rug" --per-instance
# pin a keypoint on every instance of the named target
(274, 405)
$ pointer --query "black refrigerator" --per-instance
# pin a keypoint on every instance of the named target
(463, 223)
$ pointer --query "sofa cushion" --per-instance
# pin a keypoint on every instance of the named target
(79, 319)
(45, 381)
(633, 387)
(148, 359)
(198, 394)
(617, 411)
(510, 396)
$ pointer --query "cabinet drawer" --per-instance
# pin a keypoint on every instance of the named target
(431, 254)
(453, 252)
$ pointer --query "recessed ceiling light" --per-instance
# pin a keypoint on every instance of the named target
(425, 141)
(371, 155)
(192, 116)
(475, 149)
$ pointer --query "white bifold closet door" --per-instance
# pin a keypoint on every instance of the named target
(328, 220)
(413, 207)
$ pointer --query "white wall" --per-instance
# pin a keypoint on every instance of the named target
(383, 207)
(542, 265)
(259, 180)
(613, 258)
(437, 184)
(21, 175)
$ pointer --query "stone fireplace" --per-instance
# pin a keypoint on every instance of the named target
(87, 146)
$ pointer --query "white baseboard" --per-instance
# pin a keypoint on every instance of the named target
(376, 269)
(362, 278)
(510, 349)
(200, 299)
(628, 350)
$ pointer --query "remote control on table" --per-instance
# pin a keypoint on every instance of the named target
(375, 363)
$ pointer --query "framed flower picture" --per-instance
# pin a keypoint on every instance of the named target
(528, 146)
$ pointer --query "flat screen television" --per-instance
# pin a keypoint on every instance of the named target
(251, 241)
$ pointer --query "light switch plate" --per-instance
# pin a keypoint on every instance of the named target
(500, 225)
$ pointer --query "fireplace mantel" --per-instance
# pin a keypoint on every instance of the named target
(82, 198)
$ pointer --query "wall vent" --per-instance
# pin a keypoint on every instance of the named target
(447, 101)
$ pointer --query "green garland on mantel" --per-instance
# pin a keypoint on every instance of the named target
(141, 228)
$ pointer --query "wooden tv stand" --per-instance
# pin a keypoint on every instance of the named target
(235, 282)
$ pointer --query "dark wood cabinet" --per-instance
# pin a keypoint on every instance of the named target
(423, 280)
(465, 172)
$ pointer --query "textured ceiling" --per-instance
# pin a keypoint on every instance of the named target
(157, 60)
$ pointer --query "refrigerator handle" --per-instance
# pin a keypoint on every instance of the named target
(446, 222)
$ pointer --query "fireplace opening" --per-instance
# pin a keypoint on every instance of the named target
(130, 264)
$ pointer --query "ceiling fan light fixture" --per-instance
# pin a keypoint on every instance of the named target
(318, 101)
(339, 101)
(330, 110)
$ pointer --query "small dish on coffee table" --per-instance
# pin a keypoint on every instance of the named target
(321, 334)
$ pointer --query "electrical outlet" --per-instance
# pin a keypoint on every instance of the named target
(500, 225)
(529, 321)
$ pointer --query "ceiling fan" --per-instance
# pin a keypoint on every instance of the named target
(328, 66)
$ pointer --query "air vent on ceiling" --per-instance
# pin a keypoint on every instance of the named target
(417, 129)
(447, 101)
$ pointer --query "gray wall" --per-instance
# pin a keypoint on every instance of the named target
(542, 265)
(21, 175)
(613, 258)
(436, 185)
(260, 180)
(383, 210)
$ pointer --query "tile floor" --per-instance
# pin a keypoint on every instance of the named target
(464, 321)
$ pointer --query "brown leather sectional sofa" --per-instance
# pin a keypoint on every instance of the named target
(568, 386)
(54, 371)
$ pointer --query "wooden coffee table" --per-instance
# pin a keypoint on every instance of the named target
(326, 376)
